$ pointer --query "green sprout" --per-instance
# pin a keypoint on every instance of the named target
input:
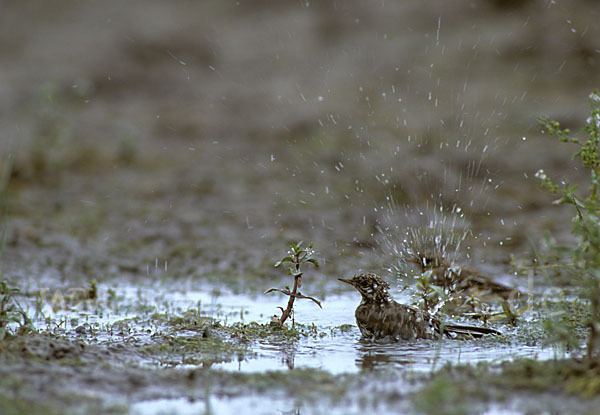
(297, 256)
(430, 296)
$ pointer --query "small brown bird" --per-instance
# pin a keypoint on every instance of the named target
(460, 279)
(378, 316)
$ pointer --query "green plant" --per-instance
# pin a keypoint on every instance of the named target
(586, 223)
(297, 256)
(442, 395)
(430, 297)
(11, 311)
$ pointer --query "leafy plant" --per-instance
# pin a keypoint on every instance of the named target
(11, 311)
(431, 297)
(296, 256)
(586, 223)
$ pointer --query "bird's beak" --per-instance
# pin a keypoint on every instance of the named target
(347, 281)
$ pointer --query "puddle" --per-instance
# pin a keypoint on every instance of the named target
(330, 348)
(259, 405)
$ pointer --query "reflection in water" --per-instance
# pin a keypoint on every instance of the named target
(429, 355)
(288, 355)
(410, 354)
(260, 405)
(370, 361)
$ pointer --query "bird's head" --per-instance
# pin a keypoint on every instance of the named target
(372, 287)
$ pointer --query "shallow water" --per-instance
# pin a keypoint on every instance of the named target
(336, 345)
(257, 404)
(260, 405)
(345, 352)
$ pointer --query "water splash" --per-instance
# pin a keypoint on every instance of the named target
(413, 233)
(434, 219)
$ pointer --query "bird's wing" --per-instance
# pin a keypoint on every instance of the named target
(468, 331)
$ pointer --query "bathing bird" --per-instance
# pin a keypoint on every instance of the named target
(378, 316)
(459, 279)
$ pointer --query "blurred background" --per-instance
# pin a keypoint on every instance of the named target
(197, 137)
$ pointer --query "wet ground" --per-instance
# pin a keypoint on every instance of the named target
(330, 341)
(167, 152)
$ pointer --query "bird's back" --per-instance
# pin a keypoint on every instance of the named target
(394, 320)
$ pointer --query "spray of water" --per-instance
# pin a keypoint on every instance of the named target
(436, 222)
(413, 233)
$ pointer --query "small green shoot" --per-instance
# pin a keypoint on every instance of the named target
(430, 296)
(297, 256)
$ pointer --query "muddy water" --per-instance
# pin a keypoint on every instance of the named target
(335, 344)
(335, 347)
(345, 352)
(258, 405)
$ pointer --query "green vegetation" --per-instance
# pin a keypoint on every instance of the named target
(584, 258)
(430, 296)
(13, 319)
(455, 386)
(297, 256)
(11, 313)
(442, 395)
(17, 406)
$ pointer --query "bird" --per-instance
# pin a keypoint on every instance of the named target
(459, 279)
(378, 316)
